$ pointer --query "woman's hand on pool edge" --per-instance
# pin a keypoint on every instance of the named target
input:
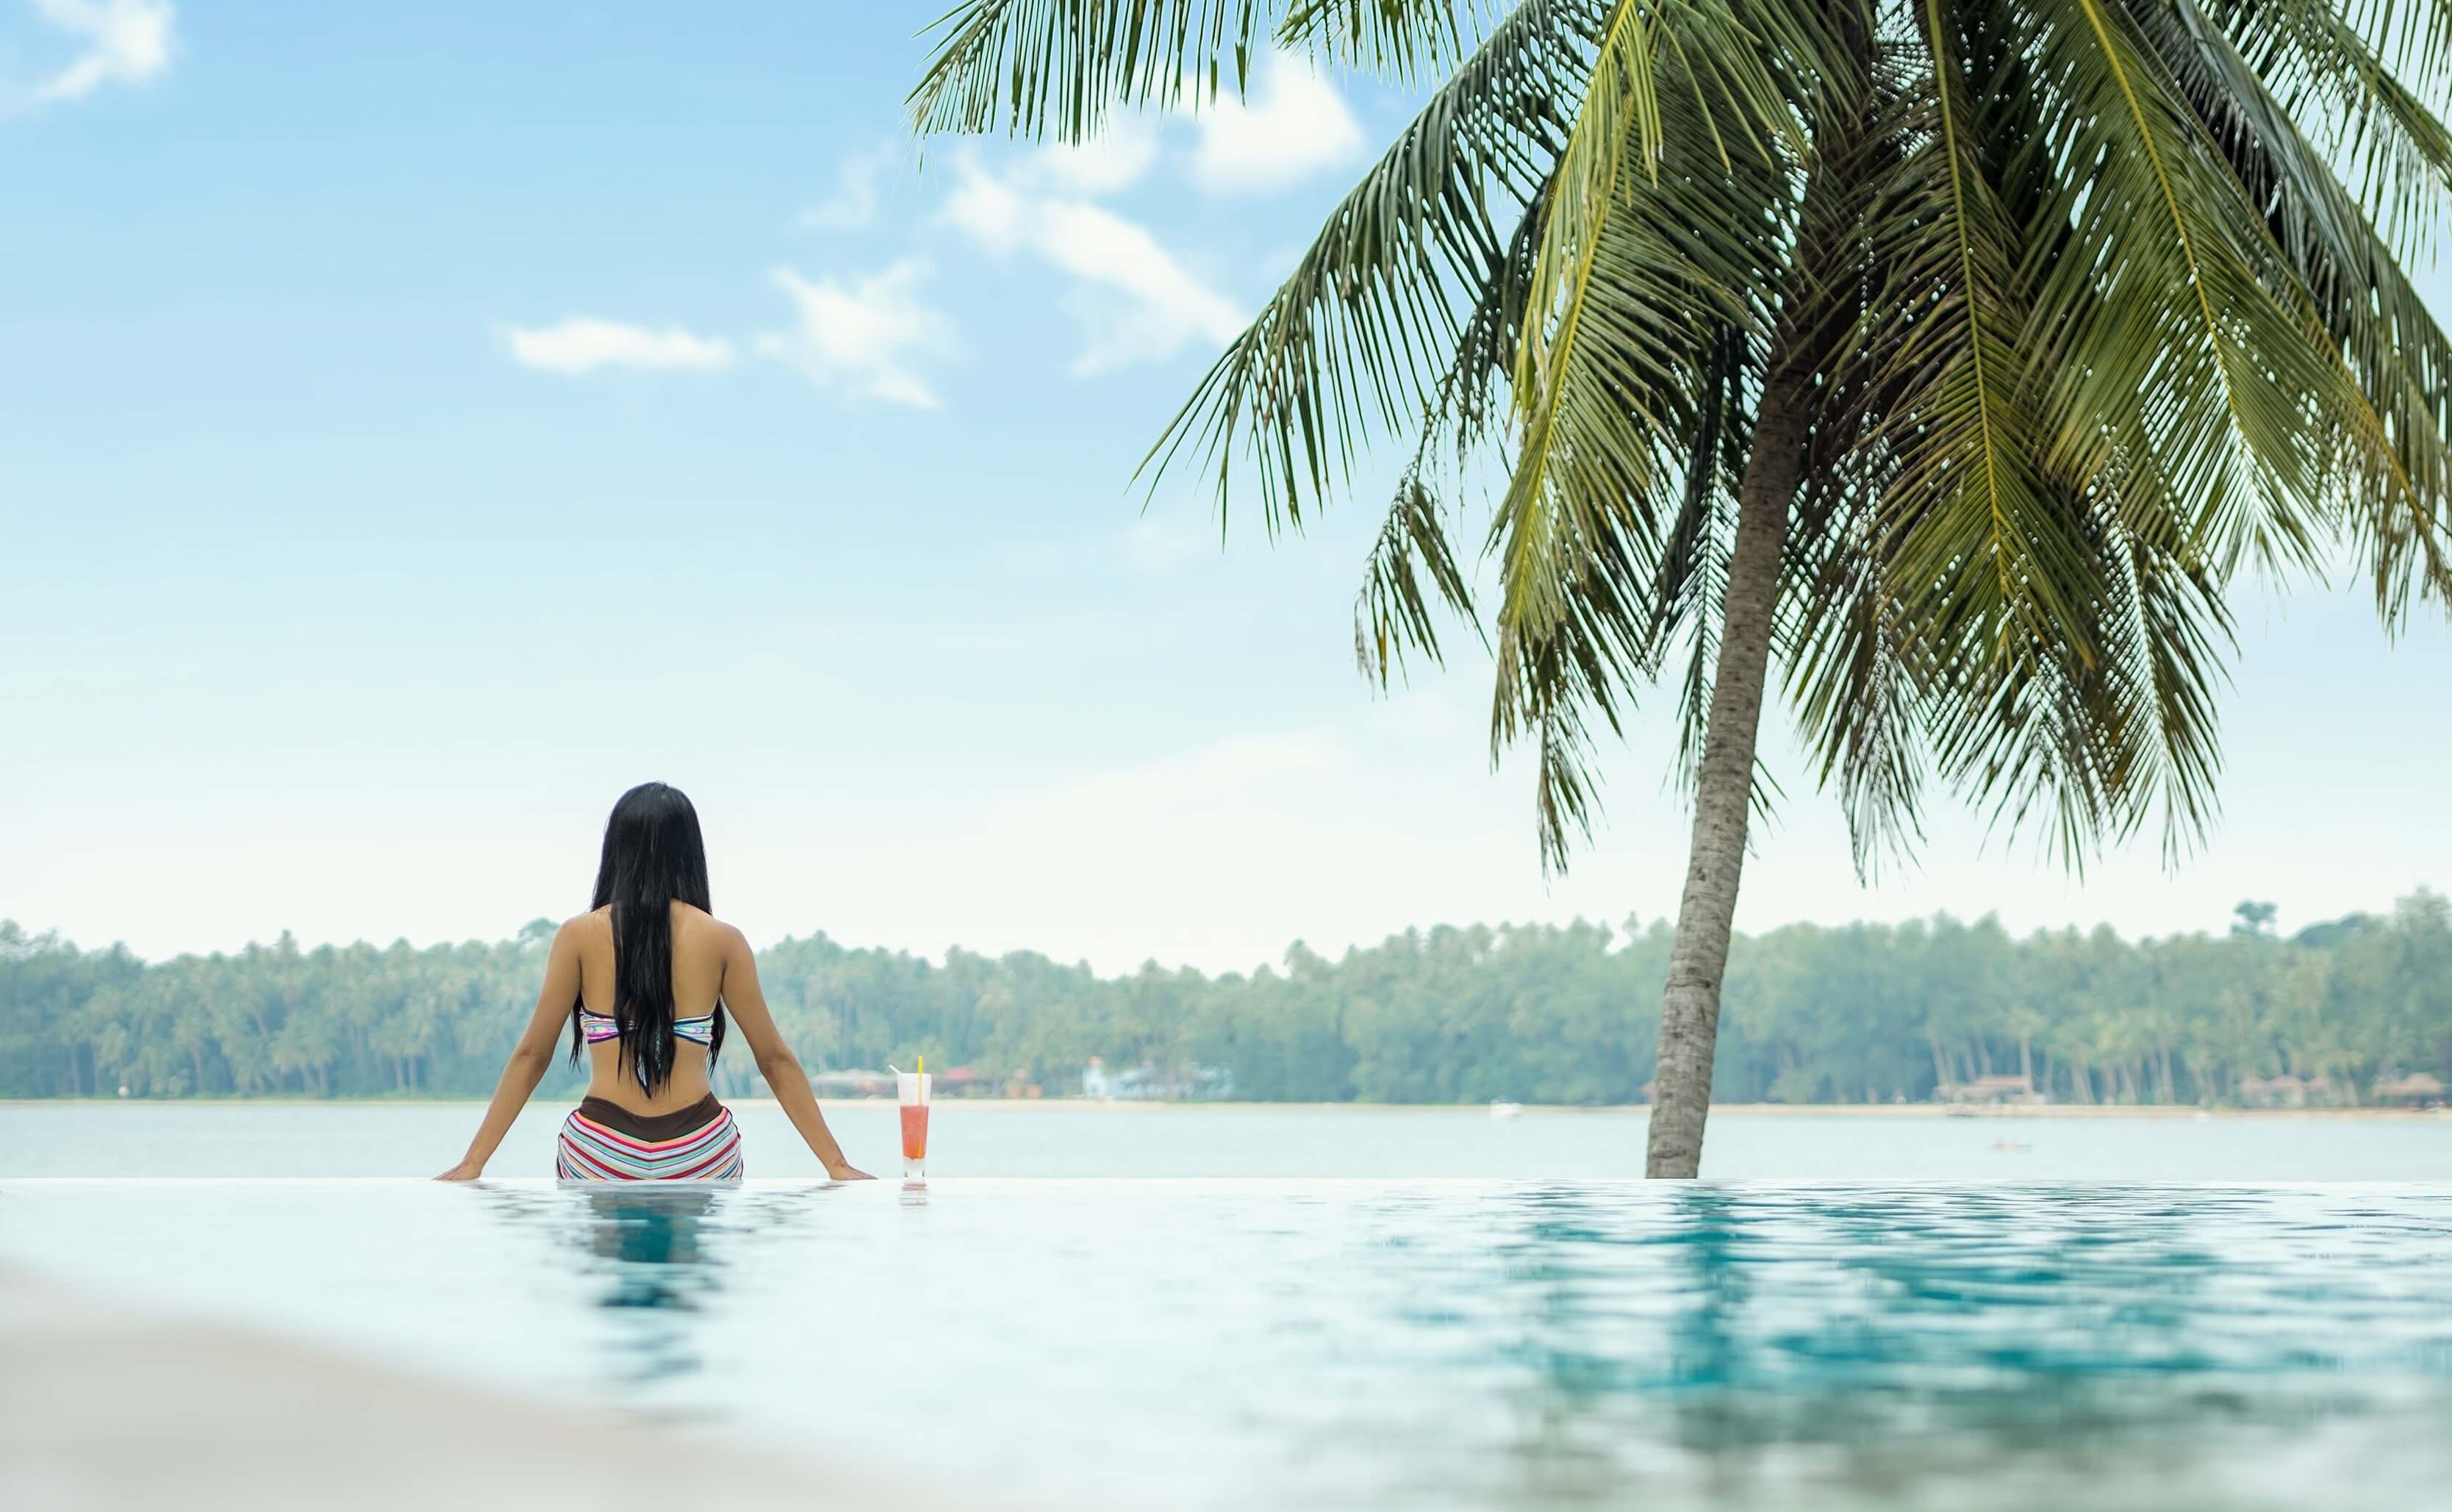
(846, 1171)
(464, 1172)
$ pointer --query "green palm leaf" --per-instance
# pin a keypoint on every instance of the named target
(1404, 40)
(1059, 67)
(1358, 339)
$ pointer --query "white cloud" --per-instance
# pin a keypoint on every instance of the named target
(1297, 125)
(864, 336)
(581, 345)
(854, 202)
(125, 42)
(1113, 160)
(1164, 305)
(989, 209)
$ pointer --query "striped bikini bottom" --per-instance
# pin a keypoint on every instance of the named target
(605, 1142)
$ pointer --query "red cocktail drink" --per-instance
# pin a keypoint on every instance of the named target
(915, 1086)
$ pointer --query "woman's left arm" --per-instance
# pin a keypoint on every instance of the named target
(529, 1058)
(746, 1003)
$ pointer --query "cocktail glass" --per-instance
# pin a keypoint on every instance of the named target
(915, 1086)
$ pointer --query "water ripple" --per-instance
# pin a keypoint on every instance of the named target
(1225, 1344)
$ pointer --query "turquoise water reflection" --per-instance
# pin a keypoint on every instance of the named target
(1919, 1337)
(645, 1258)
(1246, 1344)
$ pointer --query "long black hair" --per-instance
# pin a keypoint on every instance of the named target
(654, 856)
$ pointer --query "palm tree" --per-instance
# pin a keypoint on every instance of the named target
(1960, 353)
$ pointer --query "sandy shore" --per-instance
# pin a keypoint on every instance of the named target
(103, 1408)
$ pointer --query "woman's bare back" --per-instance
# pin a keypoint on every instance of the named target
(701, 947)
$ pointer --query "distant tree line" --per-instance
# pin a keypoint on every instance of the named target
(1551, 1013)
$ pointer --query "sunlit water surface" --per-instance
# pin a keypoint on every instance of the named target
(1389, 1343)
(1078, 1139)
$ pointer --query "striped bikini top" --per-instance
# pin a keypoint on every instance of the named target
(598, 1027)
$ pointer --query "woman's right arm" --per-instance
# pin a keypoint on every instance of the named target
(746, 1002)
(529, 1058)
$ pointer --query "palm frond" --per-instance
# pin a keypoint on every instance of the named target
(1719, 67)
(1411, 561)
(2394, 356)
(1393, 614)
(2370, 117)
(1860, 684)
(1954, 599)
(1057, 68)
(1356, 340)
(2177, 351)
(1407, 41)
(1648, 378)
(1973, 527)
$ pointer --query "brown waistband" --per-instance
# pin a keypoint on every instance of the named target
(652, 1126)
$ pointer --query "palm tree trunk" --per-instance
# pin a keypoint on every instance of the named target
(1689, 1007)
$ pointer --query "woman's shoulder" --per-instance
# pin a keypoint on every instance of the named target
(688, 918)
(688, 922)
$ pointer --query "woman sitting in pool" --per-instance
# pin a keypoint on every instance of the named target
(663, 971)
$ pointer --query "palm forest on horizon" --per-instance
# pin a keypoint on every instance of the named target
(2348, 1012)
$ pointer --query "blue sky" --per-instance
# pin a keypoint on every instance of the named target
(417, 424)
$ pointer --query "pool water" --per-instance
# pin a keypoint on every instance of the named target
(1311, 1342)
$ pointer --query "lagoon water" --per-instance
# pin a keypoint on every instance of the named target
(1398, 1308)
(1149, 1139)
